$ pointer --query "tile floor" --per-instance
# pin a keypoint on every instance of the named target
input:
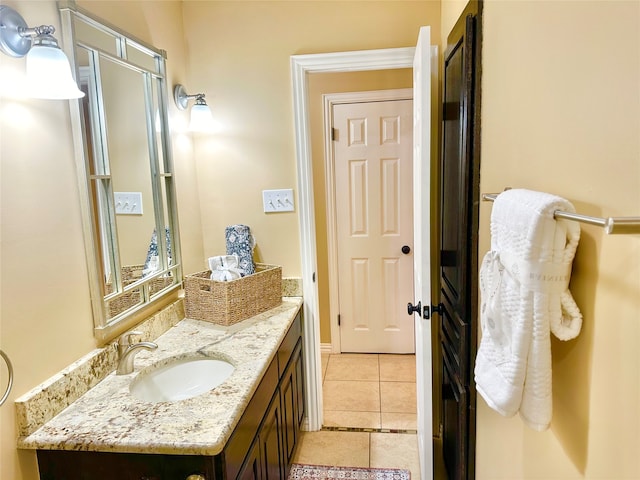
(374, 395)
(369, 391)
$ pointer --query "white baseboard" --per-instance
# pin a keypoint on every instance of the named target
(326, 349)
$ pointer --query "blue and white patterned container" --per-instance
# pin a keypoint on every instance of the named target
(240, 242)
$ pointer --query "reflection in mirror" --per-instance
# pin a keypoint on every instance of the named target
(125, 169)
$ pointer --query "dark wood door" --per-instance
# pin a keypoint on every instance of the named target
(459, 170)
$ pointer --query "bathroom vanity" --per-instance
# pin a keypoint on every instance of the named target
(247, 427)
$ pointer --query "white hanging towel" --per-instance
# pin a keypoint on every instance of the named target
(524, 288)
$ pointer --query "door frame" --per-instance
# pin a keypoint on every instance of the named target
(301, 65)
(329, 100)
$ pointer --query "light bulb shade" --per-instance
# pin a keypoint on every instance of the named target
(201, 118)
(49, 74)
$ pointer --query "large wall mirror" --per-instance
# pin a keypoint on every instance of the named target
(125, 171)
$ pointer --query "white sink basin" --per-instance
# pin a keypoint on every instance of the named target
(180, 379)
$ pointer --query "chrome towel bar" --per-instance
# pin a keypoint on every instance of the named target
(10, 381)
(611, 225)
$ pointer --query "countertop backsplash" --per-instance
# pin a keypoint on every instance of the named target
(291, 287)
(45, 401)
(42, 403)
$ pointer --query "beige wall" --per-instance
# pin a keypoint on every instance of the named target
(46, 323)
(561, 113)
(242, 62)
(450, 12)
(239, 54)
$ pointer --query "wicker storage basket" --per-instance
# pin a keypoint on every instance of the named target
(227, 303)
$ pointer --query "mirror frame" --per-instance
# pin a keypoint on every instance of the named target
(106, 328)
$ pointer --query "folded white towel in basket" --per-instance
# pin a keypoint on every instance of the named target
(224, 268)
(524, 282)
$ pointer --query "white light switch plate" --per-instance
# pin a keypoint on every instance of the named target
(128, 203)
(277, 200)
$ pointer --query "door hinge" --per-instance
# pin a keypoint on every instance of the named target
(338, 319)
(334, 134)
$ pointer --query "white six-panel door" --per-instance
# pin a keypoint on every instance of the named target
(374, 215)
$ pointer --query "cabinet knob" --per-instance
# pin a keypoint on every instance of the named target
(196, 477)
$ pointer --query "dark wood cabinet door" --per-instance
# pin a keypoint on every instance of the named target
(291, 394)
(271, 442)
(459, 169)
(299, 385)
(252, 467)
(244, 435)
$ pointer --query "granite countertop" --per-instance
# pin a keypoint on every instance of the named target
(109, 419)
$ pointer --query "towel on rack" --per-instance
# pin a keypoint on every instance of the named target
(524, 282)
(240, 242)
(224, 268)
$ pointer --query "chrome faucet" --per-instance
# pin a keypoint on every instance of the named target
(127, 351)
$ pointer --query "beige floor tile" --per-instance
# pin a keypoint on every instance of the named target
(351, 419)
(345, 449)
(402, 421)
(397, 368)
(398, 397)
(340, 395)
(395, 450)
(324, 361)
(353, 367)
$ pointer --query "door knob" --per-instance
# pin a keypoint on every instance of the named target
(427, 312)
(414, 308)
(406, 249)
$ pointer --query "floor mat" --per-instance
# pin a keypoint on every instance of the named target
(322, 472)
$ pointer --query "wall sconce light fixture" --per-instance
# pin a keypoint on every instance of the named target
(201, 117)
(48, 70)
